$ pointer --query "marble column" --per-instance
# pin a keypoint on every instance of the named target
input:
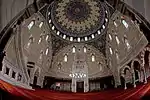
(16, 76)
(145, 77)
(125, 85)
(10, 73)
(133, 77)
(73, 86)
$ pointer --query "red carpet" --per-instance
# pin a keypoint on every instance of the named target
(116, 94)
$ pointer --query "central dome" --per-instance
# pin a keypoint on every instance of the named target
(78, 18)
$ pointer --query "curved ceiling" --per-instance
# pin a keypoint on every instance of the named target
(78, 20)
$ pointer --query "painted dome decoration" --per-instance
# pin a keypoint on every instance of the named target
(78, 20)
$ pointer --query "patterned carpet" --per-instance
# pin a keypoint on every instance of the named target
(140, 92)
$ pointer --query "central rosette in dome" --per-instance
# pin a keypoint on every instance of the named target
(78, 11)
(78, 18)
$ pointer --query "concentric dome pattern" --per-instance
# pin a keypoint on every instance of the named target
(78, 18)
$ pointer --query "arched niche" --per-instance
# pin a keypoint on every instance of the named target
(125, 76)
(95, 60)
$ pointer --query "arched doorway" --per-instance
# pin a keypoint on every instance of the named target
(136, 64)
(126, 77)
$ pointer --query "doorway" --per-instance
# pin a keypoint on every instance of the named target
(80, 86)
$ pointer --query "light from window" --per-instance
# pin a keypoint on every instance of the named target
(117, 56)
(40, 40)
(103, 26)
(49, 13)
(50, 21)
(40, 24)
(30, 25)
(106, 11)
(58, 32)
(99, 32)
(86, 38)
(64, 37)
(47, 50)
(93, 36)
(73, 50)
(117, 39)
(28, 45)
(106, 19)
(47, 36)
(53, 27)
(65, 58)
(93, 58)
(110, 37)
(84, 49)
(115, 24)
(78, 39)
(111, 52)
(125, 23)
(127, 43)
(71, 38)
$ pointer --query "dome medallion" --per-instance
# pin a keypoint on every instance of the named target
(78, 18)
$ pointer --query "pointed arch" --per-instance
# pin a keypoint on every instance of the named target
(145, 57)
(139, 62)
(143, 54)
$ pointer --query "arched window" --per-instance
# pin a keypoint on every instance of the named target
(85, 38)
(117, 55)
(93, 35)
(64, 36)
(84, 49)
(115, 24)
(110, 49)
(93, 58)
(78, 39)
(71, 38)
(73, 49)
(40, 25)
(47, 36)
(127, 42)
(47, 50)
(125, 23)
(50, 21)
(110, 36)
(65, 58)
(117, 39)
(53, 27)
(30, 25)
(100, 66)
(40, 40)
(31, 39)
